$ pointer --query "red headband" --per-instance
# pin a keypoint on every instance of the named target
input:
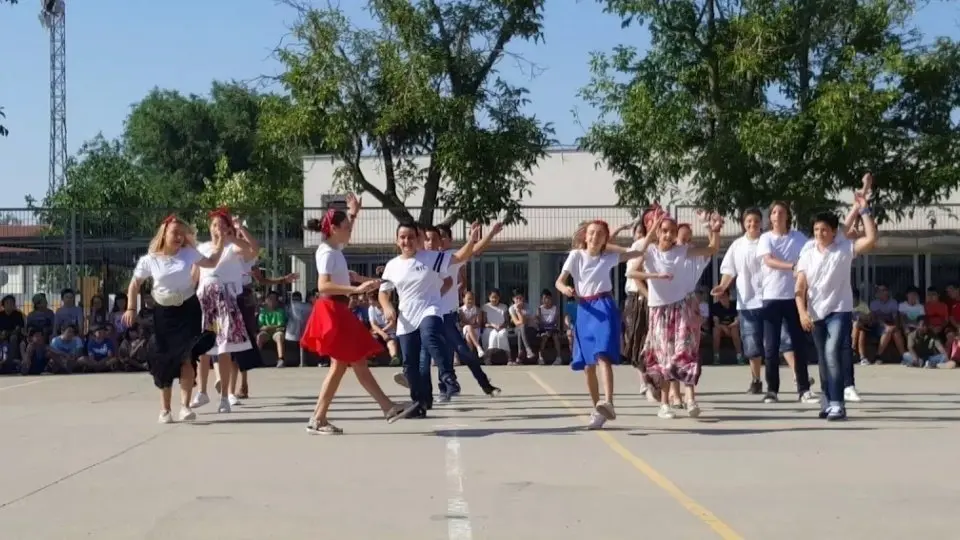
(222, 212)
(327, 222)
(172, 218)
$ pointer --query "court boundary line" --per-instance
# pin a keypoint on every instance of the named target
(29, 383)
(699, 511)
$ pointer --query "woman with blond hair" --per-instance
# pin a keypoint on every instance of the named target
(178, 338)
(217, 290)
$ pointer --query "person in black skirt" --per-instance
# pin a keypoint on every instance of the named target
(178, 338)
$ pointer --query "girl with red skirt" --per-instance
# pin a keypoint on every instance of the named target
(332, 329)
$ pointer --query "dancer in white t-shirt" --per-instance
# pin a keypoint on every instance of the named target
(417, 276)
(824, 299)
(178, 336)
(334, 331)
(217, 290)
(778, 250)
(673, 338)
(597, 332)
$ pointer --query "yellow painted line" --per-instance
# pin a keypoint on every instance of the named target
(723, 530)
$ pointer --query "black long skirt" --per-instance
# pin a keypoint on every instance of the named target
(178, 337)
(635, 329)
(250, 358)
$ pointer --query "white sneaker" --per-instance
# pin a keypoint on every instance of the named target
(165, 417)
(233, 400)
(850, 394)
(596, 421)
(606, 409)
(666, 412)
(187, 414)
(224, 406)
(693, 409)
(199, 400)
(809, 397)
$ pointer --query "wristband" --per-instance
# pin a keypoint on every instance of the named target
(866, 211)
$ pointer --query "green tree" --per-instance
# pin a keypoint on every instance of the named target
(421, 82)
(3, 131)
(751, 101)
(109, 195)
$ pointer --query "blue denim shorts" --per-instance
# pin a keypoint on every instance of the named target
(751, 333)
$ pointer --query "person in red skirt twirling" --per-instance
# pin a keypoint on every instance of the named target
(332, 329)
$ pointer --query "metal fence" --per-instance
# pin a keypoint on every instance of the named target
(94, 250)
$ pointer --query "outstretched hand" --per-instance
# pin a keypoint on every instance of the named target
(354, 203)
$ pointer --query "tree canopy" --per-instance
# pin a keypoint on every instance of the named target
(421, 83)
(180, 153)
(755, 101)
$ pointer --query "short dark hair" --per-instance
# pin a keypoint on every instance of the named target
(517, 292)
(445, 231)
(828, 218)
(752, 211)
(409, 224)
(431, 228)
(66, 291)
(546, 292)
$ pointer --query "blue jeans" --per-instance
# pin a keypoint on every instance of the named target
(459, 345)
(832, 339)
(429, 339)
(776, 315)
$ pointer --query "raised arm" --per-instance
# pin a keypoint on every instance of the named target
(465, 252)
(214, 258)
(247, 245)
(867, 242)
(484, 242)
(714, 225)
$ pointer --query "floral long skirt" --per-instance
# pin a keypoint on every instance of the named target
(221, 315)
(672, 348)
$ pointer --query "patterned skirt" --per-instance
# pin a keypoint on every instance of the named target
(672, 348)
(635, 324)
(222, 316)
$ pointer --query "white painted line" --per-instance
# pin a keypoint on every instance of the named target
(458, 512)
(12, 386)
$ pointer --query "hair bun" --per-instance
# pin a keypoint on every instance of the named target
(313, 225)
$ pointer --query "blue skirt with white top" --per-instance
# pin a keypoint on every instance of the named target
(596, 332)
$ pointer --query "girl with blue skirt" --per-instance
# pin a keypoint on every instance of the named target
(597, 328)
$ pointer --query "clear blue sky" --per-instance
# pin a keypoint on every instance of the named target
(117, 50)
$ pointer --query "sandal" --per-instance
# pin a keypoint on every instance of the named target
(326, 429)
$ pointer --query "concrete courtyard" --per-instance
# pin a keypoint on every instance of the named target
(83, 457)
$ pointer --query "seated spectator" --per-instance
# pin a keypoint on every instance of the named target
(116, 314)
(101, 353)
(884, 314)
(861, 327)
(42, 317)
(570, 319)
(911, 310)
(12, 326)
(471, 322)
(925, 348)
(272, 321)
(726, 323)
(132, 350)
(703, 305)
(36, 356)
(524, 322)
(358, 305)
(68, 313)
(936, 313)
(495, 334)
(298, 312)
(548, 326)
(145, 317)
(383, 332)
(8, 364)
(68, 349)
(97, 314)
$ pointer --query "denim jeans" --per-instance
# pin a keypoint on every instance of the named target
(459, 345)
(832, 339)
(429, 339)
(777, 314)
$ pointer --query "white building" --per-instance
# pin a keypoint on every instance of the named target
(570, 186)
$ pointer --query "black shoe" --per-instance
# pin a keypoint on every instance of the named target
(756, 388)
(823, 414)
(493, 391)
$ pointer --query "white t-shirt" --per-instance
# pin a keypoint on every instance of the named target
(229, 270)
(591, 275)
(247, 268)
(673, 261)
(547, 315)
(495, 315)
(171, 275)
(375, 314)
(417, 281)
(632, 285)
(828, 278)
(911, 313)
(331, 261)
(742, 263)
(451, 299)
(523, 313)
(779, 284)
(469, 313)
(692, 270)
